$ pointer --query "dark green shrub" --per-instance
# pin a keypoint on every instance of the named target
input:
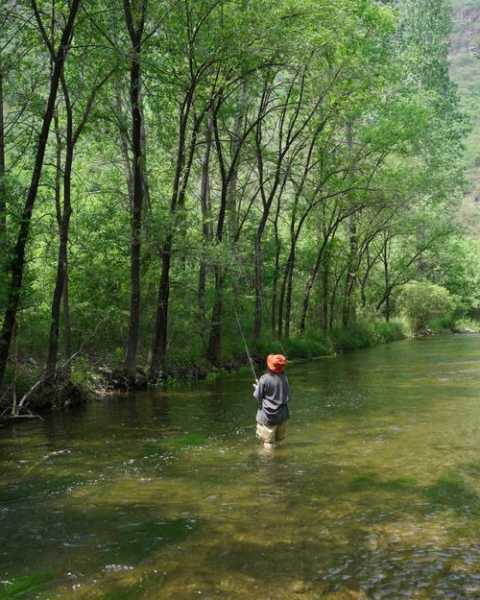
(356, 336)
(391, 331)
(308, 347)
(364, 334)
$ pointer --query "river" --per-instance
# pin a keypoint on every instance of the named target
(375, 494)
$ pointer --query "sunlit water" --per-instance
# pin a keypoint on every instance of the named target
(375, 494)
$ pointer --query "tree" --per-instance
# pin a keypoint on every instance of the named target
(421, 301)
(18, 260)
(135, 14)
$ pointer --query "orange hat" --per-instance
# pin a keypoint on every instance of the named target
(276, 363)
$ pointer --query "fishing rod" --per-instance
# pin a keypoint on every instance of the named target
(250, 359)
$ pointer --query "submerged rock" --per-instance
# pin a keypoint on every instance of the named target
(299, 587)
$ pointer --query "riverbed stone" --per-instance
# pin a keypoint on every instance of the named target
(299, 587)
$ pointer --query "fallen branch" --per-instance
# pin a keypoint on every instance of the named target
(21, 404)
(7, 415)
(44, 379)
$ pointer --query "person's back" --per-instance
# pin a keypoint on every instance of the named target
(273, 393)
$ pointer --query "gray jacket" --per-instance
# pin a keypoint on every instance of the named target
(273, 394)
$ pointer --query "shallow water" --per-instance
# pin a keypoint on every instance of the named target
(375, 494)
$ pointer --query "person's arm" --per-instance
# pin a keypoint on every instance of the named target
(258, 390)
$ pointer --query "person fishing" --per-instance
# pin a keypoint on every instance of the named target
(273, 394)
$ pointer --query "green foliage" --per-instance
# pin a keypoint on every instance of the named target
(82, 373)
(364, 334)
(347, 176)
(443, 324)
(421, 301)
(391, 331)
(470, 325)
(308, 347)
(455, 264)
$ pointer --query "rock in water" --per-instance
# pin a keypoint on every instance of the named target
(299, 587)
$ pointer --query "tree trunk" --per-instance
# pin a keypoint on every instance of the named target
(288, 308)
(283, 292)
(214, 343)
(67, 328)
(325, 312)
(206, 225)
(387, 308)
(386, 273)
(14, 410)
(3, 192)
(182, 173)
(238, 140)
(18, 260)
(309, 286)
(63, 217)
(147, 202)
(349, 312)
(135, 32)
(124, 141)
(258, 282)
(364, 281)
(306, 299)
(333, 298)
(284, 321)
(159, 347)
(202, 288)
(276, 272)
(51, 370)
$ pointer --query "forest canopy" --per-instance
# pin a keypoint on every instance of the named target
(171, 170)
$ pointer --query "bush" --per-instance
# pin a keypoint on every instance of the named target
(364, 334)
(442, 324)
(355, 336)
(267, 345)
(421, 301)
(308, 347)
(82, 374)
(299, 347)
(391, 331)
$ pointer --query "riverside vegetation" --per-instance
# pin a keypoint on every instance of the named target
(168, 169)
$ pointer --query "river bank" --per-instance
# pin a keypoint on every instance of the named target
(97, 377)
(94, 377)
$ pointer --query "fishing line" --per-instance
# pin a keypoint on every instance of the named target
(250, 359)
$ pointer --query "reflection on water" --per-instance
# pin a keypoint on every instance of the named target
(375, 494)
